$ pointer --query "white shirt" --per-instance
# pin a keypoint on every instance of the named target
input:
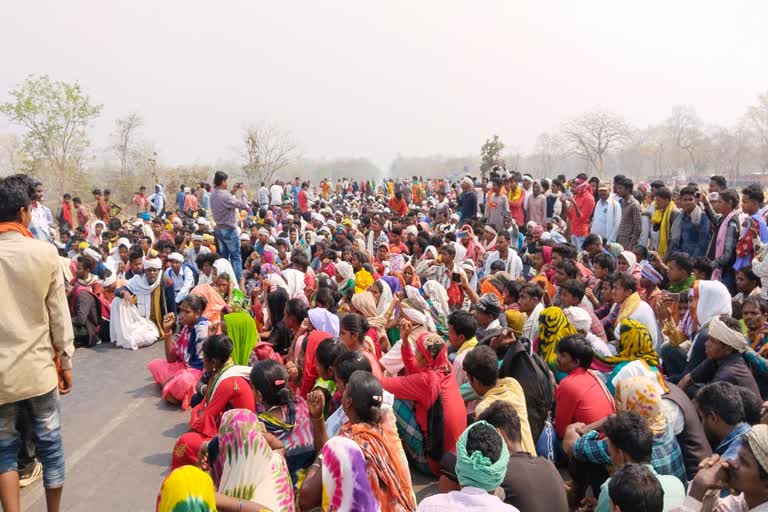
(531, 325)
(468, 499)
(276, 191)
(513, 264)
(182, 283)
(41, 222)
(263, 194)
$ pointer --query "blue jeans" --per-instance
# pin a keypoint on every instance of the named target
(45, 419)
(229, 247)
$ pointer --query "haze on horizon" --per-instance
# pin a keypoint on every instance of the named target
(357, 79)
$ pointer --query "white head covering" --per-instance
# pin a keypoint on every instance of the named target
(579, 318)
(345, 270)
(92, 253)
(176, 257)
(438, 296)
(714, 300)
(724, 334)
(109, 280)
(631, 259)
(411, 230)
(150, 263)
(123, 242)
(324, 320)
(386, 297)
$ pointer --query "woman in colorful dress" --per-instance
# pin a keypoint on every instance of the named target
(284, 415)
(182, 367)
(636, 356)
(346, 487)
(227, 388)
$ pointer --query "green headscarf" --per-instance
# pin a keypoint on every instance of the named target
(477, 470)
(241, 329)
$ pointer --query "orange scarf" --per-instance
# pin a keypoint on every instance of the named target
(5, 227)
(388, 477)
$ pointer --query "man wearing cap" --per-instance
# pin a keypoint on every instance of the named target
(196, 249)
(181, 275)
(607, 216)
(748, 474)
(724, 361)
(487, 311)
(148, 292)
(261, 241)
(246, 249)
(223, 207)
(467, 201)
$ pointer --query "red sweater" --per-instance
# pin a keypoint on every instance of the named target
(580, 399)
(424, 387)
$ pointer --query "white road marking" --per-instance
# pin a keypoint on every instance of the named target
(38, 492)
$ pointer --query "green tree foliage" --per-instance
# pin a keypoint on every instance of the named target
(56, 116)
(490, 155)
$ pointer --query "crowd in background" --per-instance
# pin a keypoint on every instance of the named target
(330, 340)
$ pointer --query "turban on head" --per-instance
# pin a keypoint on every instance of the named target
(475, 469)
(724, 334)
(176, 257)
(651, 274)
(579, 318)
(93, 254)
(150, 263)
(757, 439)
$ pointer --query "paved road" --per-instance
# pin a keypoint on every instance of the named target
(118, 435)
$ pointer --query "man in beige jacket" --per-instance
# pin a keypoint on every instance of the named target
(35, 327)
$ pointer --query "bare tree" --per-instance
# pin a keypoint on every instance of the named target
(550, 151)
(13, 158)
(757, 117)
(266, 150)
(593, 134)
(685, 130)
(124, 137)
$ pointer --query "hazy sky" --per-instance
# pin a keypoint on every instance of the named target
(374, 79)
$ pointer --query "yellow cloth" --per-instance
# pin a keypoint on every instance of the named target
(553, 326)
(634, 343)
(363, 279)
(516, 321)
(509, 390)
(628, 307)
(663, 220)
(642, 395)
(515, 196)
(467, 345)
(187, 488)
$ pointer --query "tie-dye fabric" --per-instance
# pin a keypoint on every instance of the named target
(187, 489)
(296, 434)
(345, 482)
(247, 468)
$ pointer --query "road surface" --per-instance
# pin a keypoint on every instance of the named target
(118, 435)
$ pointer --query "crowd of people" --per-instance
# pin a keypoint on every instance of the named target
(331, 340)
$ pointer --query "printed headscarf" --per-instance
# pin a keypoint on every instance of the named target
(553, 326)
(438, 363)
(635, 342)
(642, 395)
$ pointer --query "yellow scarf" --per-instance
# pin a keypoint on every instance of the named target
(663, 220)
(515, 196)
(469, 344)
(628, 307)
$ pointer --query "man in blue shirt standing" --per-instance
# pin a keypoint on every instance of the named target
(223, 207)
(694, 226)
(467, 202)
(180, 198)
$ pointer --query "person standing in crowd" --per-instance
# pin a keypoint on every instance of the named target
(36, 339)
(180, 198)
(467, 201)
(631, 224)
(497, 207)
(607, 218)
(722, 246)
(693, 234)
(580, 209)
(263, 196)
(536, 210)
(517, 195)
(224, 206)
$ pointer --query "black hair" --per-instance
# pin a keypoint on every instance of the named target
(657, 184)
(450, 249)
(730, 195)
(720, 180)
(463, 323)
(328, 351)
(356, 324)
(135, 254)
(569, 268)
(688, 191)
(219, 178)
(633, 488)
(532, 290)
(575, 288)
(324, 298)
(16, 192)
(605, 261)
(682, 260)
(591, 239)
(721, 398)
(629, 432)
(749, 274)
(626, 281)
(506, 235)
(297, 308)
(757, 302)
(704, 265)
(96, 192)
(482, 364)
(753, 405)
(486, 440)
(498, 266)
(504, 417)
(195, 302)
(628, 184)
(754, 192)
(348, 363)
(270, 378)
(513, 289)
(366, 395)
(641, 252)
(300, 260)
(217, 347)
(576, 346)
(566, 251)
(664, 193)
(203, 258)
